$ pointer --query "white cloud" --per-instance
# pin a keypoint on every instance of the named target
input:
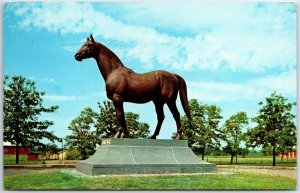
(250, 37)
(71, 48)
(84, 97)
(97, 94)
(285, 83)
(211, 16)
(63, 98)
(47, 80)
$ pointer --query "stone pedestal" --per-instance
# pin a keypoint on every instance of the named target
(143, 156)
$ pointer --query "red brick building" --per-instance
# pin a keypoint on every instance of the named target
(9, 149)
(288, 155)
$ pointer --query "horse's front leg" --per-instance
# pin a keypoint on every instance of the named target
(122, 129)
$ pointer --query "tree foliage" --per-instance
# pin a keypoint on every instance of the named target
(90, 127)
(232, 133)
(73, 154)
(51, 148)
(202, 132)
(22, 109)
(135, 128)
(83, 136)
(107, 123)
(275, 125)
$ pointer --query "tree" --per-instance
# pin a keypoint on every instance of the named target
(243, 151)
(267, 150)
(107, 123)
(232, 133)
(83, 138)
(73, 154)
(202, 132)
(89, 128)
(275, 124)
(135, 128)
(21, 111)
(288, 140)
(51, 148)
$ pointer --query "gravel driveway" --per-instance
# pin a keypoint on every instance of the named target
(290, 172)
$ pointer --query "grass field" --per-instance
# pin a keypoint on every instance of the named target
(255, 161)
(57, 180)
(11, 159)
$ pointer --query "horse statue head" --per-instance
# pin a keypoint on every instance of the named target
(88, 49)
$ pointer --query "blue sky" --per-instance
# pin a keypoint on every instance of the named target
(233, 55)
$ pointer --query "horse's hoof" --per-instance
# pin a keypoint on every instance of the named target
(124, 135)
(117, 135)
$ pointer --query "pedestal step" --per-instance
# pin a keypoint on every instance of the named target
(143, 156)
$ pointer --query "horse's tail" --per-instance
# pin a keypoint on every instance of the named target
(183, 96)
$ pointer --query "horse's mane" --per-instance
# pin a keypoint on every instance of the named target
(110, 53)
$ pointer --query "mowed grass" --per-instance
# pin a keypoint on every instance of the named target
(11, 160)
(57, 180)
(254, 161)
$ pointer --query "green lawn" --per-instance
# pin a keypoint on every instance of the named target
(11, 159)
(57, 180)
(255, 161)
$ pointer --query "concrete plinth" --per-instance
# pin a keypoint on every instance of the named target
(143, 156)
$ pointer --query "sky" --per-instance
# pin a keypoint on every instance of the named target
(233, 55)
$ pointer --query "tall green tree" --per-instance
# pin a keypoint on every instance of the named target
(267, 151)
(51, 148)
(288, 140)
(22, 109)
(107, 123)
(233, 134)
(83, 136)
(275, 124)
(203, 131)
(135, 128)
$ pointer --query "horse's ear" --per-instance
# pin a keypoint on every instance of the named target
(91, 36)
(87, 39)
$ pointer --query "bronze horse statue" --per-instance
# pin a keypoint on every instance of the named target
(124, 85)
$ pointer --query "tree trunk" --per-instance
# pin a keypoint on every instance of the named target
(274, 155)
(236, 156)
(84, 154)
(17, 153)
(231, 160)
(203, 153)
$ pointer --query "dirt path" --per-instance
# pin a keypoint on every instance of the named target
(290, 172)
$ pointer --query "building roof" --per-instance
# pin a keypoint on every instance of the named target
(8, 144)
(5, 143)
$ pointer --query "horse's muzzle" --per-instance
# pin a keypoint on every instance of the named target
(78, 57)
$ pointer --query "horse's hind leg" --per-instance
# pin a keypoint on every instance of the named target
(122, 129)
(176, 115)
(159, 107)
